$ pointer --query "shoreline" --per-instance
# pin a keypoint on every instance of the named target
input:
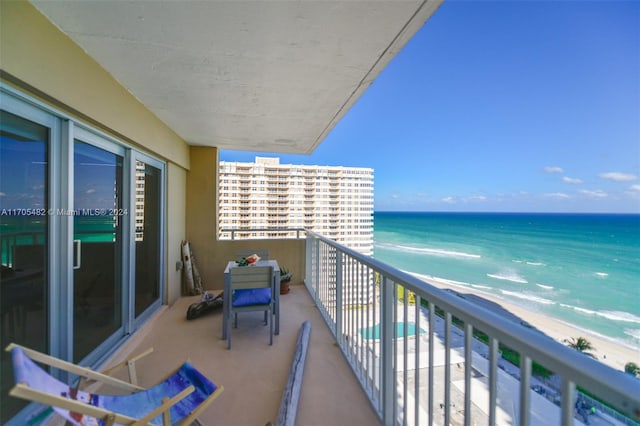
(606, 350)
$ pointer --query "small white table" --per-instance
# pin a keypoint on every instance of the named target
(226, 296)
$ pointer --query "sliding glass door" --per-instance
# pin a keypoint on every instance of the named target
(97, 246)
(81, 240)
(148, 234)
(24, 242)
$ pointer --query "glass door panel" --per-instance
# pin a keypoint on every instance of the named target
(97, 254)
(80, 291)
(23, 244)
(147, 235)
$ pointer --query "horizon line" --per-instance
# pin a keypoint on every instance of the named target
(508, 212)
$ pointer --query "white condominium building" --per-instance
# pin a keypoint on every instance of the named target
(267, 199)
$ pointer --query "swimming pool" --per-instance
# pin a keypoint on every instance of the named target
(370, 333)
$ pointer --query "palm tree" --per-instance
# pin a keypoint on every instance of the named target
(582, 345)
(632, 368)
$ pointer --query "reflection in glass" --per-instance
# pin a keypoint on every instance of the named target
(97, 229)
(147, 236)
(23, 244)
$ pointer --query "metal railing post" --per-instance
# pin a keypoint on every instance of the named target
(308, 263)
(468, 337)
(386, 342)
(447, 368)
(493, 379)
(339, 306)
(525, 391)
(567, 404)
(316, 248)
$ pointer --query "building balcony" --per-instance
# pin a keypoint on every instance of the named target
(385, 348)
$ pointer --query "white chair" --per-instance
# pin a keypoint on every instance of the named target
(252, 289)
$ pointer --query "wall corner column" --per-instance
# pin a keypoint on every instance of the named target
(202, 209)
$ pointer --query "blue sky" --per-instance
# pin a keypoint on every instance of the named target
(502, 106)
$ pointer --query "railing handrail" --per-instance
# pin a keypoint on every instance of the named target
(233, 231)
(622, 391)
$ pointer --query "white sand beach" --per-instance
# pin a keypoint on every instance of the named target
(609, 352)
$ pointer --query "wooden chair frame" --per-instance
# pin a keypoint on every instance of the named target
(22, 390)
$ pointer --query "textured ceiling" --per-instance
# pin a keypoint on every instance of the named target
(260, 76)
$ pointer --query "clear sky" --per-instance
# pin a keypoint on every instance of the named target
(521, 106)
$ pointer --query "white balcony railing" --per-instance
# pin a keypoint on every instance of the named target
(275, 232)
(419, 358)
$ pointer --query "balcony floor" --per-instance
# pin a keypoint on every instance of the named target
(252, 372)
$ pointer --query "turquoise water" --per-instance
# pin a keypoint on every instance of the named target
(33, 230)
(374, 332)
(581, 269)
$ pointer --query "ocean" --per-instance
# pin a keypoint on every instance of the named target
(33, 229)
(583, 269)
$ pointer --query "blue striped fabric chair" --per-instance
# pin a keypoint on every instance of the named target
(178, 400)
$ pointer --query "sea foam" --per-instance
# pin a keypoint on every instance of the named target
(429, 251)
(546, 287)
(633, 332)
(443, 280)
(509, 276)
(620, 316)
(530, 297)
(484, 287)
(460, 284)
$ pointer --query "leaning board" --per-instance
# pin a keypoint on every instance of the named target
(187, 269)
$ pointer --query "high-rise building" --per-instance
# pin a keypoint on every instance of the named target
(140, 176)
(267, 199)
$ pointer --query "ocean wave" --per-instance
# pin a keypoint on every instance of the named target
(440, 279)
(546, 287)
(530, 297)
(484, 287)
(602, 274)
(633, 332)
(509, 276)
(620, 316)
(528, 262)
(460, 284)
(430, 251)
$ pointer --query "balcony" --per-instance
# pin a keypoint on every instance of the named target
(428, 367)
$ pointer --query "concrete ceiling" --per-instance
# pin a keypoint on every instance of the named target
(273, 76)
